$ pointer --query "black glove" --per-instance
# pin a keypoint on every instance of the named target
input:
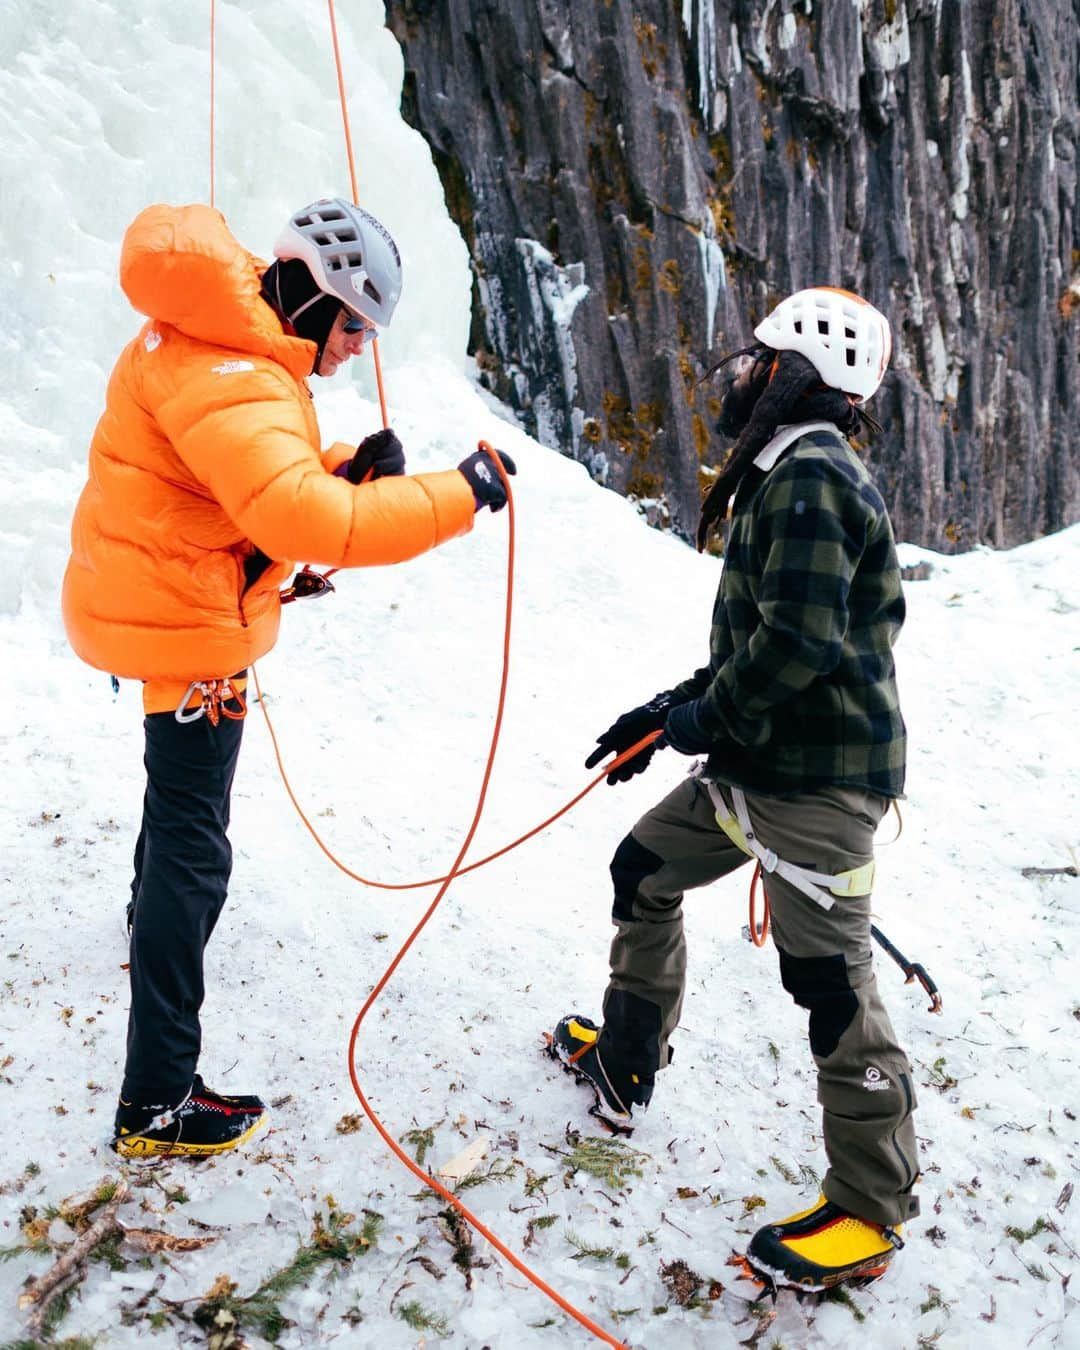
(379, 456)
(685, 731)
(627, 731)
(484, 478)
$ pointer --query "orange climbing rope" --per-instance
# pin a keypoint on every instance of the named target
(444, 885)
(344, 106)
(456, 870)
(387, 1138)
(462, 871)
(213, 68)
(355, 190)
(758, 936)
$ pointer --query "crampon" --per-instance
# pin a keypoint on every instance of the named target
(606, 1111)
(769, 1284)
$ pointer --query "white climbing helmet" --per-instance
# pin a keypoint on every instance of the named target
(843, 335)
(350, 255)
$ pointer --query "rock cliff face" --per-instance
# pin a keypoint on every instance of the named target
(638, 183)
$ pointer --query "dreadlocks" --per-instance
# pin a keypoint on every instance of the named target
(786, 390)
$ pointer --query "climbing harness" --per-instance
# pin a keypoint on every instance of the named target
(214, 705)
(820, 887)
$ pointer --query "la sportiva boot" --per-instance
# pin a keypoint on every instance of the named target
(820, 1248)
(205, 1122)
(575, 1043)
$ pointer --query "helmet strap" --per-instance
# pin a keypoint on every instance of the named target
(319, 295)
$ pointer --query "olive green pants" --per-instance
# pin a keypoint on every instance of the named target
(864, 1078)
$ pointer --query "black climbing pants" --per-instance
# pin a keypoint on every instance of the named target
(182, 865)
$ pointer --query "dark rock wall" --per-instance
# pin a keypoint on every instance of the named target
(638, 183)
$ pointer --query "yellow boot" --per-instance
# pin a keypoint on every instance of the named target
(204, 1123)
(821, 1247)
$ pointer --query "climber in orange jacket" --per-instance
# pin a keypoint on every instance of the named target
(206, 479)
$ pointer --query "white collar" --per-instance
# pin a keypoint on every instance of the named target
(766, 458)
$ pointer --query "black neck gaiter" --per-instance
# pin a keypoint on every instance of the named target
(287, 287)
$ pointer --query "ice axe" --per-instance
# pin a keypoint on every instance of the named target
(912, 969)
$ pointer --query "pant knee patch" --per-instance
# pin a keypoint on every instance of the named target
(632, 863)
(821, 984)
(631, 1031)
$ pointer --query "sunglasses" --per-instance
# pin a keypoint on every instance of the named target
(356, 324)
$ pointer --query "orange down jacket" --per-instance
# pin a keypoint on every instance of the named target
(208, 449)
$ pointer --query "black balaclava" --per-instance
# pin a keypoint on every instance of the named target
(288, 287)
(783, 389)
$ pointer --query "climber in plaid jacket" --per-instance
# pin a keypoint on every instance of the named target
(798, 720)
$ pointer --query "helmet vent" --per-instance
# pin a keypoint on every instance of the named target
(372, 292)
(344, 262)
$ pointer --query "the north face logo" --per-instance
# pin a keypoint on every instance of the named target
(875, 1081)
(232, 367)
(152, 340)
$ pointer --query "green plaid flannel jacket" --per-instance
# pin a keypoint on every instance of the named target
(800, 689)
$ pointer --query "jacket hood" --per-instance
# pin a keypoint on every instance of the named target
(182, 266)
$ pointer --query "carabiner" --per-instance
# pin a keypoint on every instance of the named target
(181, 714)
(226, 691)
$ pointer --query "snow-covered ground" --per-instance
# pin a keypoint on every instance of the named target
(383, 697)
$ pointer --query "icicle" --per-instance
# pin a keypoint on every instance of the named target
(699, 20)
(714, 271)
(554, 294)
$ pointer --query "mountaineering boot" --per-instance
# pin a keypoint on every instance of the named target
(205, 1122)
(575, 1042)
(821, 1247)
